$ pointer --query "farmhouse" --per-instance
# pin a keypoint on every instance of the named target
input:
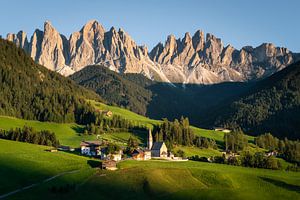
(107, 113)
(139, 154)
(271, 153)
(90, 148)
(116, 156)
(224, 130)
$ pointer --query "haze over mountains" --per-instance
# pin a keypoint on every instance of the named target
(194, 59)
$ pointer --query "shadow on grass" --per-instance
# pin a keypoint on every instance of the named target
(282, 184)
(94, 163)
(78, 129)
(141, 135)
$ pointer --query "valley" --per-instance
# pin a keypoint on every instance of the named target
(95, 114)
(136, 179)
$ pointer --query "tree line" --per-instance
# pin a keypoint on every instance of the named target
(248, 159)
(235, 141)
(100, 123)
(30, 135)
(179, 132)
(288, 149)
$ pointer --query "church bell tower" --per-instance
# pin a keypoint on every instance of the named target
(150, 140)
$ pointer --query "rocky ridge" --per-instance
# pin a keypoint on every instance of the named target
(193, 59)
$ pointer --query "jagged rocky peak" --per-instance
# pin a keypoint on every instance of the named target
(198, 40)
(92, 29)
(187, 38)
(51, 53)
(227, 55)
(20, 39)
(213, 49)
(193, 59)
(87, 45)
(156, 52)
(171, 44)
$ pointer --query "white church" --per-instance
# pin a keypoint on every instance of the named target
(158, 149)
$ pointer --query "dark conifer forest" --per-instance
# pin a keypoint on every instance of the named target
(30, 91)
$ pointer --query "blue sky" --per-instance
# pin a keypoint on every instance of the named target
(238, 22)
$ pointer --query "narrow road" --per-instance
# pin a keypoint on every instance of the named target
(37, 184)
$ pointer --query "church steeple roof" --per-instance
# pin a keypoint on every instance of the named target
(150, 140)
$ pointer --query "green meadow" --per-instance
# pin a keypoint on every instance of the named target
(27, 164)
(68, 134)
(23, 164)
(125, 113)
(71, 134)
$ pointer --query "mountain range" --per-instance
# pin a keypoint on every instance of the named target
(218, 87)
(195, 59)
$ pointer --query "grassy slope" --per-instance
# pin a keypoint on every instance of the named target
(68, 134)
(191, 151)
(23, 164)
(217, 135)
(122, 138)
(190, 180)
(125, 113)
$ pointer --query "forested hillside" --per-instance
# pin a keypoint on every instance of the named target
(273, 105)
(155, 99)
(116, 88)
(269, 105)
(30, 91)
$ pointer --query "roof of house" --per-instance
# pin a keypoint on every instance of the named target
(157, 145)
(109, 163)
(90, 143)
(137, 152)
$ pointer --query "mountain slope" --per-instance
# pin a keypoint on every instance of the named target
(116, 88)
(273, 105)
(195, 59)
(155, 99)
(30, 91)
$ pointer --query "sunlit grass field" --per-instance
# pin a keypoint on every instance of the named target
(23, 164)
(68, 134)
(190, 180)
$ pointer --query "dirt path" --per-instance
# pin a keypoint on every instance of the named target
(37, 184)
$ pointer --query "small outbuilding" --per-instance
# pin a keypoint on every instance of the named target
(109, 165)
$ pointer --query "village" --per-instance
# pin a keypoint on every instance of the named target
(111, 154)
